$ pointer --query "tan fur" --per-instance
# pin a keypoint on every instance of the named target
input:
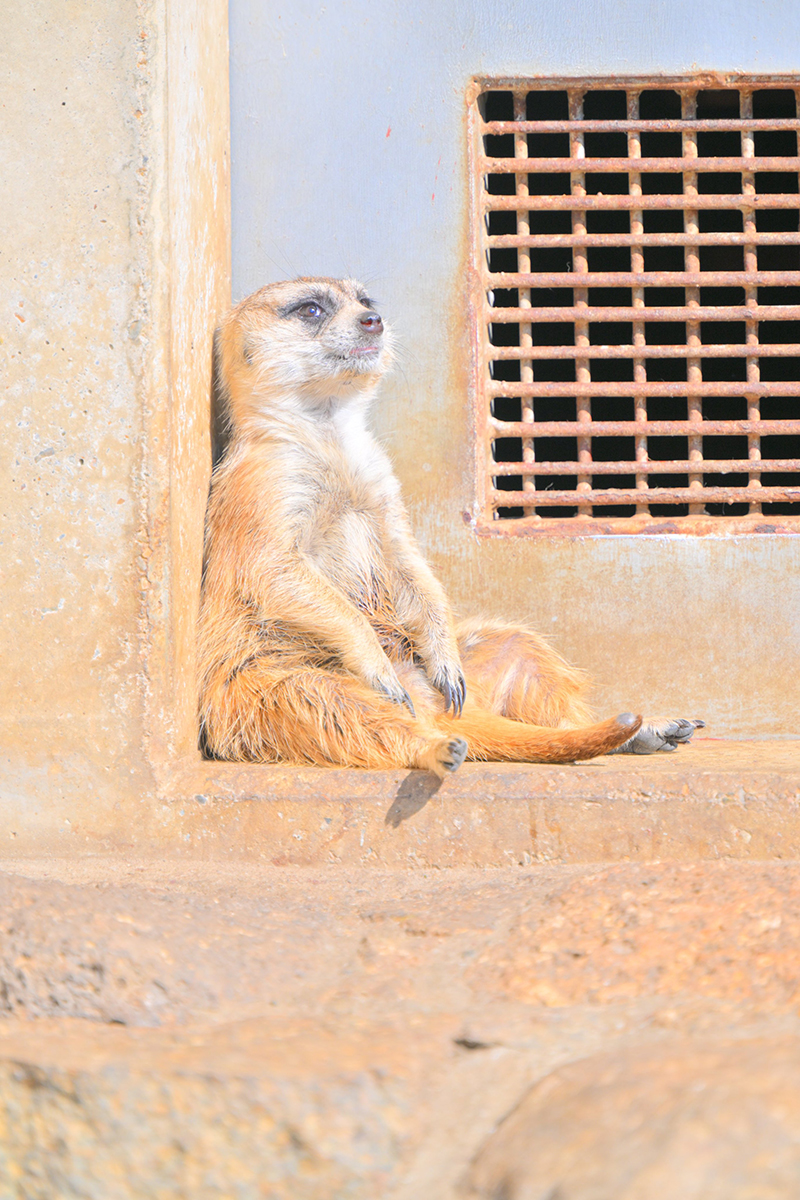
(321, 623)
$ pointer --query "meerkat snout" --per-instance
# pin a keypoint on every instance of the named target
(372, 323)
(371, 331)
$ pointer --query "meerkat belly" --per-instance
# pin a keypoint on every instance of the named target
(347, 550)
(351, 555)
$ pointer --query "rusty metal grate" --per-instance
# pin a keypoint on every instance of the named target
(638, 272)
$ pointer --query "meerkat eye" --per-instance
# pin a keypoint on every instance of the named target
(311, 310)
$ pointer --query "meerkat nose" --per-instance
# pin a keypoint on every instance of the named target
(371, 323)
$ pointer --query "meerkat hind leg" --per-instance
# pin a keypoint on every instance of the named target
(322, 717)
(513, 672)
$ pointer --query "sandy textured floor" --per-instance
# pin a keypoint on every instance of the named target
(238, 1030)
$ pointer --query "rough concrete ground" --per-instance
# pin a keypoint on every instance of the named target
(205, 1030)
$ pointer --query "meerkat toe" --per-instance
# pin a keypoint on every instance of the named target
(680, 731)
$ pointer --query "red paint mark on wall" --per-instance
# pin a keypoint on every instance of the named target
(436, 180)
(388, 131)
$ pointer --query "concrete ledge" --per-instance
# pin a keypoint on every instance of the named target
(706, 801)
(710, 800)
(247, 1111)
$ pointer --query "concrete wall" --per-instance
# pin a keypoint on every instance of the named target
(114, 242)
(363, 110)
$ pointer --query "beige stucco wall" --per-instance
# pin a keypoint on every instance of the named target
(114, 240)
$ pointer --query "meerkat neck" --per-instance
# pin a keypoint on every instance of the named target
(283, 413)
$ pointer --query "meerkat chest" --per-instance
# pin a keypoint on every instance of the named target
(346, 547)
(346, 536)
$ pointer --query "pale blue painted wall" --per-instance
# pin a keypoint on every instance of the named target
(319, 187)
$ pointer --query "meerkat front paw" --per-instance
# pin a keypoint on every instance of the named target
(391, 687)
(450, 681)
(660, 735)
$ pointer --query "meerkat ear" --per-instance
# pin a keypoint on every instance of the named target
(247, 350)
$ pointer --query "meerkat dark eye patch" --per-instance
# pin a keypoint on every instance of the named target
(311, 309)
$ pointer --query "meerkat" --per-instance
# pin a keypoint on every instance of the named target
(324, 636)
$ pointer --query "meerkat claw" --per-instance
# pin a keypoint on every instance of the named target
(453, 691)
(395, 693)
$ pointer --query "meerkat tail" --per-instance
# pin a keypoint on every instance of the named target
(499, 739)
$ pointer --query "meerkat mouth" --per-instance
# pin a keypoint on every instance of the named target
(357, 357)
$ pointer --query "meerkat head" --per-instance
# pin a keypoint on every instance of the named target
(317, 340)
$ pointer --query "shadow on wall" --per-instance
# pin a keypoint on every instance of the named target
(219, 412)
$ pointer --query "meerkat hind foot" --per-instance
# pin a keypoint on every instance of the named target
(655, 736)
(445, 756)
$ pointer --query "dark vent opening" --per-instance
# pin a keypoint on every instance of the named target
(692, 380)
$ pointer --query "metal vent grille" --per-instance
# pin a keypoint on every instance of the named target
(638, 257)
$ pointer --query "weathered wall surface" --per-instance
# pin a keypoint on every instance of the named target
(115, 268)
(77, 329)
(368, 109)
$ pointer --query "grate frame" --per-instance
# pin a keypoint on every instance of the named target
(588, 499)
